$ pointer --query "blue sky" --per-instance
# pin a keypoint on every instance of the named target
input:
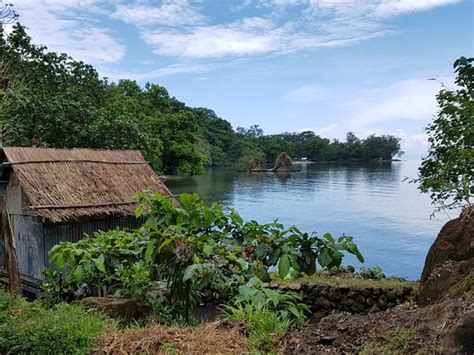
(331, 66)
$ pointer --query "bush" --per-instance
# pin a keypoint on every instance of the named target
(199, 250)
(373, 272)
(288, 305)
(30, 327)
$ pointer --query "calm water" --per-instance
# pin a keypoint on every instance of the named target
(389, 218)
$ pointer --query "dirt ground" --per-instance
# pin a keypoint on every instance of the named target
(406, 329)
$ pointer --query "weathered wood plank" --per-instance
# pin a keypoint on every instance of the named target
(10, 253)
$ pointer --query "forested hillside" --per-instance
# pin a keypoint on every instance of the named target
(52, 100)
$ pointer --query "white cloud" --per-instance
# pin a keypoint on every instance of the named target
(63, 27)
(307, 93)
(321, 131)
(412, 99)
(181, 29)
(247, 37)
(389, 8)
(415, 143)
(283, 25)
(410, 104)
(170, 13)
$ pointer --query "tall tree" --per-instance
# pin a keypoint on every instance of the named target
(447, 173)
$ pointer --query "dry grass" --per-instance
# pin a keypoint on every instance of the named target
(221, 337)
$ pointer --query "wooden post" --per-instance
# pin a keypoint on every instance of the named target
(10, 254)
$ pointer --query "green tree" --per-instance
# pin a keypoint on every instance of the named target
(178, 132)
(447, 173)
(57, 99)
(54, 101)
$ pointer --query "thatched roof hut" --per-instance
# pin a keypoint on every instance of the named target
(53, 195)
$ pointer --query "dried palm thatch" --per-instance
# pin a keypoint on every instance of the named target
(72, 185)
(282, 163)
(252, 164)
(219, 337)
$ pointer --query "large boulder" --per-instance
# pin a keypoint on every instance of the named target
(449, 265)
(447, 285)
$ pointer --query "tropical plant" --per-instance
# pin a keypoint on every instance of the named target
(327, 251)
(288, 305)
(201, 252)
(109, 263)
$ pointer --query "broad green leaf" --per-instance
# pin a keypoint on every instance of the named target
(100, 263)
(207, 249)
(325, 258)
(78, 274)
(58, 260)
(359, 255)
(283, 266)
(255, 282)
(150, 248)
(190, 272)
(329, 237)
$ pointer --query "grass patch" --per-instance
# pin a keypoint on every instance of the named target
(396, 342)
(465, 286)
(353, 282)
(31, 327)
(263, 326)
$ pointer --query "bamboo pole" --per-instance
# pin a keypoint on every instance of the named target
(49, 207)
(137, 162)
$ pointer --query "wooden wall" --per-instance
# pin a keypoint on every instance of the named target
(27, 230)
(33, 238)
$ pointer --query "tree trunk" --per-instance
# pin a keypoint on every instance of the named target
(10, 254)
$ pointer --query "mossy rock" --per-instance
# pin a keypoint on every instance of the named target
(325, 293)
(450, 261)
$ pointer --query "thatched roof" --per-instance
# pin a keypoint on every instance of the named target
(65, 185)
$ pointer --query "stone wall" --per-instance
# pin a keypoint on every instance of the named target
(325, 297)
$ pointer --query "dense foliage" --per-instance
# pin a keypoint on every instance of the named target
(447, 173)
(308, 144)
(200, 251)
(30, 327)
(52, 100)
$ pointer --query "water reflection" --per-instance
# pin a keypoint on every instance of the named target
(388, 217)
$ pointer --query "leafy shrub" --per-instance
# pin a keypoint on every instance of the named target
(198, 250)
(110, 263)
(266, 314)
(287, 305)
(263, 326)
(373, 272)
(32, 328)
